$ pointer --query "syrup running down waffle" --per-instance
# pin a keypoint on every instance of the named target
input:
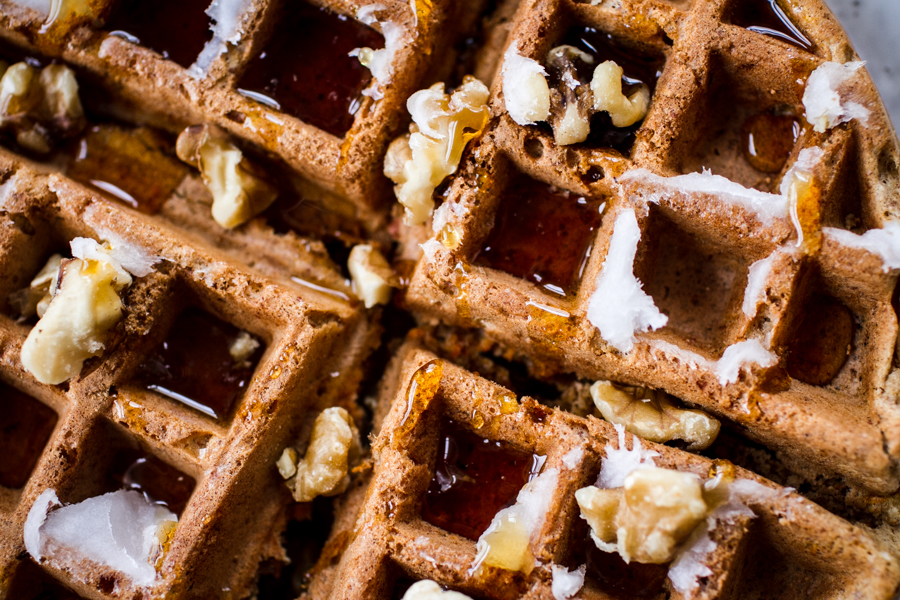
(690, 202)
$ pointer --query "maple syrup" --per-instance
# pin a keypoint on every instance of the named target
(767, 140)
(542, 234)
(137, 166)
(474, 478)
(24, 431)
(176, 29)
(193, 365)
(305, 71)
(159, 481)
(766, 17)
(638, 69)
(820, 346)
(615, 575)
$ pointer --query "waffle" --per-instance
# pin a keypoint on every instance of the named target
(498, 287)
(488, 262)
(205, 459)
(405, 531)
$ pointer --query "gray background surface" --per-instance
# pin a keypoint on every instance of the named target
(874, 30)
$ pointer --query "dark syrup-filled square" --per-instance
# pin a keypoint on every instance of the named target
(766, 17)
(25, 428)
(159, 481)
(195, 364)
(177, 29)
(542, 234)
(474, 478)
(637, 69)
(305, 68)
(822, 340)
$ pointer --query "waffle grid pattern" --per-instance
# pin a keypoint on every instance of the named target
(314, 345)
(389, 540)
(843, 427)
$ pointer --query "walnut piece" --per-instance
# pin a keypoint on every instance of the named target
(652, 415)
(606, 86)
(238, 186)
(39, 107)
(647, 519)
(443, 124)
(572, 101)
(333, 448)
(242, 348)
(372, 275)
(85, 307)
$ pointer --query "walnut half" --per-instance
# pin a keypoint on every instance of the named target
(238, 186)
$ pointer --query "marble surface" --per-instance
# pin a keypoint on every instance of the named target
(874, 30)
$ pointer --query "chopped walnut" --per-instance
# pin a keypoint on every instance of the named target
(430, 590)
(606, 86)
(40, 107)
(35, 299)
(652, 415)
(333, 447)
(647, 519)
(443, 124)
(85, 307)
(237, 185)
(572, 101)
(242, 348)
(372, 275)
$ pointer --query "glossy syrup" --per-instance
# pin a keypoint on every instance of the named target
(822, 343)
(766, 17)
(615, 575)
(767, 140)
(25, 428)
(137, 167)
(637, 69)
(159, 481)
(542, 234)
(193, 365)
(305, 71)
(474, 478)
(177, 29)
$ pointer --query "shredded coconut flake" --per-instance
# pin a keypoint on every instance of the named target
(42, 7)
(573, 457)
(619, 307)
(36, 517)
(883, 242)
(690, 565)
(767, 207)
(525, 90)
(620, 462)
(430, 250)
(505, 543)
(379, 62)
(132, 257)
(755, 291)
(120, 530)
(827, 104)
(227, 28)
(739, 355)
(566, 583)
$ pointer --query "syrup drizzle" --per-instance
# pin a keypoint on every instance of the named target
(766, 17)
(637, 69)
(159, 481)
(542, 234)
(820, 347)
(134, 166)
(474, 478)
(177, 29)
(767, 140)
(193, 365)
(305, 70)
(24, 431)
